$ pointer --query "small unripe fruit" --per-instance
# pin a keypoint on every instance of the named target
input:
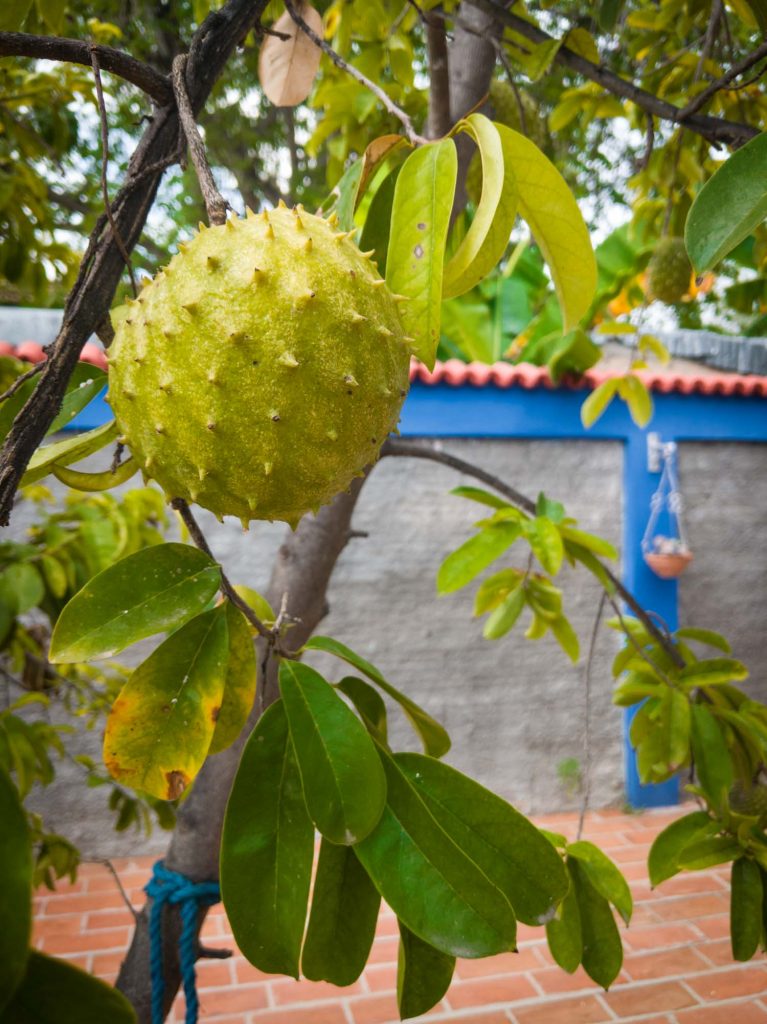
(669, 271)
(262, 370)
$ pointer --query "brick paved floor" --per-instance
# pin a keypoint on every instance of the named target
(677, 967)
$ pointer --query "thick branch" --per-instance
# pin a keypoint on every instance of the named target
(716, 130)
(74, 51)
(420, 451)
(439, 122)
(103, 264)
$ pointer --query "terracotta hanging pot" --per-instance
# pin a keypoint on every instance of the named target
(668, 565)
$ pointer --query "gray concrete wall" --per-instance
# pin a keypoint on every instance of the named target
(514, 708)
(725, 587)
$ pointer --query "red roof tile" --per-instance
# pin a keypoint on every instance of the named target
(505, 375)
(32, 352)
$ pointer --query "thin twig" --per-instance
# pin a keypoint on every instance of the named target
(111, 868)
(215, 203)
(199, 540)
(721, 83)
(394, 446)
(389, 104)
(104, 168)
(21, 379)
(587, 720)
(644, 163)
(715, 129)
(77, 51)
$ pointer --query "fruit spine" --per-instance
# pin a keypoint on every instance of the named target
(262, 369)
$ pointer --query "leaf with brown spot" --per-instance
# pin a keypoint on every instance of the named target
(160, 727)
(287, 67)
(240, 687)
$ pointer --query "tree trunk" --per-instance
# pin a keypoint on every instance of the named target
(302, 571)
(440, 121)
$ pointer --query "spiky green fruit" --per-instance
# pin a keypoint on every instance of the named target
(262, 369)
(669, 270)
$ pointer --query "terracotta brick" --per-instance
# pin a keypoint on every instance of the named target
(330, 1014)
(231, 1000)
(290, 991)
(108, 919)
(742, 1013)
(60, 924)
(683, 960)
(727, 984)
(638, 999)
(587, 1010)
(695, 882)
(689, 907)
(387, 925)
(505, 963)
(112, 938)
(714, 927)
(382, 1009)
(659, 936)
(82, 902)
(486, 991)
(554, 980)
(213, 973)
(245, 972)
(384, 950)
(381, 977)
(718, 952)
(106, 965)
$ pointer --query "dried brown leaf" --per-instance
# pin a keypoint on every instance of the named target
(287, 67)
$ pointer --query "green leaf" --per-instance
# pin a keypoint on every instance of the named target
(494, 590)
(240, 684)
(480, 495)
(161, 725)
(510, 851)
(745, 908)
(704, 636)
(70, 450)
(546, 541)
(713, 764)
(344, 783)
(16, 904)
(548, 206)
(24, 583)
(146, 593)
(485, 242)
(423, 200)
(86, 383)
(267, 850)
(598, 401)
(563, 933)
(553, 510)
(434, 887)
(602, 947)
(713, 672)
(109, 478)
(343, 918)
(663, 859)
(52, 13)
(56, 992)
(709, 852)
(505, 615)
(13, 14)
(604, 876)
(598, 545)
(637, 398)
(566, 637)
(729, 206)
(376, 232)
(434, 737)
(475, 555)
(423, 974)
(369, 704)
(343, 198)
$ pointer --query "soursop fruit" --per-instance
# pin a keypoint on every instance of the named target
(262, 369)
(669, 270)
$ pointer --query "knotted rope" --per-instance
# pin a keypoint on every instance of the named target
(169, 887)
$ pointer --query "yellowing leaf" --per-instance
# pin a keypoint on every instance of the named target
(598, 401)
(240, 686)
(548, 206)
(160, 727)
(637, 398)
(485, 242)
(286, 67)
(423, 199)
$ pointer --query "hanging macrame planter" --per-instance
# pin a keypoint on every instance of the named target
(667, 556)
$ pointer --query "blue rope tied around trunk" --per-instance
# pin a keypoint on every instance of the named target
(169, 887)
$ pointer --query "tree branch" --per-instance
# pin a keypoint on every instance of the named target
(102, 264)
(716, 130)
(408, 449)
(439, 122)
(721, 83)
(75, 51)
(339, 62)
(215, 203)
